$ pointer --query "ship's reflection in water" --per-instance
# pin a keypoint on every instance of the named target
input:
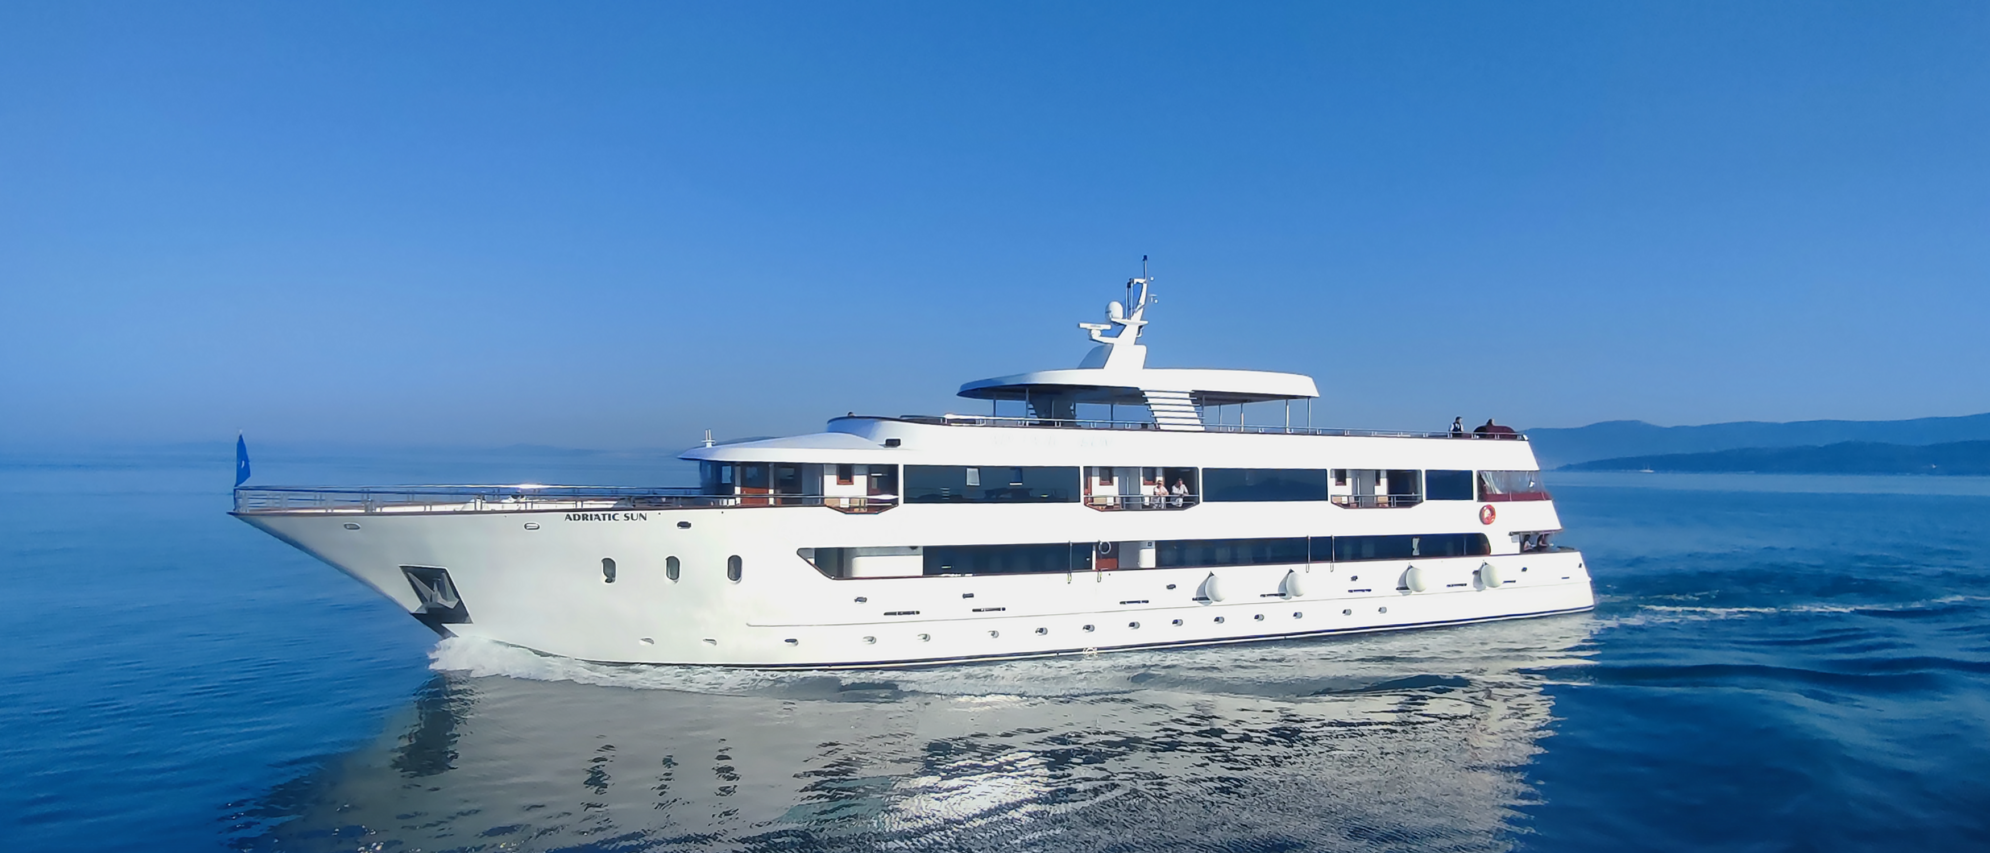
(1394, 741)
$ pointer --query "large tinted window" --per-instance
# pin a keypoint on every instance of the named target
(990, 484)
(1447, 485)
(1264, 484)
(1184, 553)
(1347, 549)
(1007, 559)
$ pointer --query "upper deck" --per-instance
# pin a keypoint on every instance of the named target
(862, 464)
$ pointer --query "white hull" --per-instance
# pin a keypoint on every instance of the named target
(543, 588)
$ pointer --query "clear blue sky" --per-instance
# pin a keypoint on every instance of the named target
(617, 224)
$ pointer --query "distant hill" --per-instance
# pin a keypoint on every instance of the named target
(1848, 457)
(1618, 439)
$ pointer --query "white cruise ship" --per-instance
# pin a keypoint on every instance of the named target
(930, 539)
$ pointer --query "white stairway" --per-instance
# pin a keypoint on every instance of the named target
(1173, 410)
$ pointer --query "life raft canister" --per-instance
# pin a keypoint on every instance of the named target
(1487, 514)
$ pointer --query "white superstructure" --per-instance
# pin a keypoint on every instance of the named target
(909, 540)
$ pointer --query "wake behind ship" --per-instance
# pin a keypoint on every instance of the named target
(929, 539)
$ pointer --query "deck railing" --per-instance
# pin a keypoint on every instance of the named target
(520, 498)
(1254, 429)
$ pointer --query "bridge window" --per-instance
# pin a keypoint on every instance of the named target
(734, 568)
(1193, 553)
(990, 484)
(1447, 485)
(1264, 484)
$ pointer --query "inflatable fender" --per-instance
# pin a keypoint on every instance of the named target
(1415, 579)
(1489, 576)
(1211, 589)
(1294, 585)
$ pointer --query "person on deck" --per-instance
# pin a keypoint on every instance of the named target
(1458, 427)
(1180, 493)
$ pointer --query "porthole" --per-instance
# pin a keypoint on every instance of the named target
(672, 568)
(351, 526)
(1089, 629)
(925, 638)
(862, 598)
(1381, 609)
(1354, 577)
(1259, 617)
(734, 568)
(607, 570)
(1133, 625)
(1219, 620)
(792, 641)
(1298, 615)
(683, 525)
(1042, 631)
(1178, 623)
(531, 525)
(994, 634)
(1347, 613)
(870, 641)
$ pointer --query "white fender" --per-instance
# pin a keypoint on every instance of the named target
(1211, 590)
(1294, 586)
(1415, 580)
(1489, 576)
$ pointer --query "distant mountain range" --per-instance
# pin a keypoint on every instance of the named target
(1618, 441)
(1848, 457)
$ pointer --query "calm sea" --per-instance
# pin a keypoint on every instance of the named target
(1794, 663)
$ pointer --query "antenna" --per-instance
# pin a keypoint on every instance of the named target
(708, 438)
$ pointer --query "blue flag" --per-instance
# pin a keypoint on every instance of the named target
(241, 460)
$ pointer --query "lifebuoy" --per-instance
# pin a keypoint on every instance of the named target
(1487, 514)
(1105, 549)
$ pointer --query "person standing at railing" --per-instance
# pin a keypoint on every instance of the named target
(1458, 427)
(1180, 493)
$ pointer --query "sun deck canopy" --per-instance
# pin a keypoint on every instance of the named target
(1130, 387)
(1115, 372)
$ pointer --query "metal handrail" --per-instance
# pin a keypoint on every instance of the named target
(1376, 501)
(1141, 503)
(1089, 423)
(520, 498)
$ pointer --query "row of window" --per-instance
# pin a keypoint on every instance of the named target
(673, 568)
(1351, 486)
(1358, 487)
(1204, 553)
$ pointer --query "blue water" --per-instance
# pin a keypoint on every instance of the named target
(1793, 663)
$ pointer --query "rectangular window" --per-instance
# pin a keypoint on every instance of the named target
(1008, 559)
(715, 478)
(1511, 486)
(1193, 553)
(1447, 485)
(1264, 484)
(883, 481)
(952, 484)
(1351, 549)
